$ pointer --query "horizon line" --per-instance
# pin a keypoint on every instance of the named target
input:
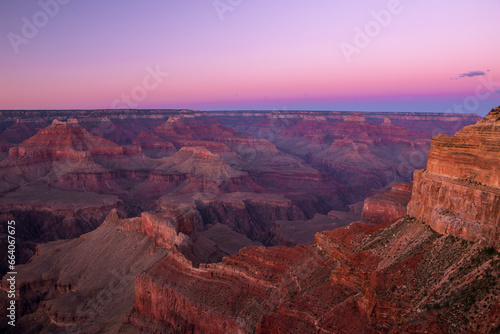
(246, 110)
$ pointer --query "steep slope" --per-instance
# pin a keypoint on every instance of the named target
(359, 155)
(195, 170)
(473, 153)
(212, 190)
(89, 286)
(251, 214)
(302, 232)
(62, 182)
(264, 168)
(459, 193)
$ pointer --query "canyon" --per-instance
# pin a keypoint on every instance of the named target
(253, 222)
(64, 171)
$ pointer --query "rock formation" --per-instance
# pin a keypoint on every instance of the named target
(89, 286)
(387, 206)
(459, 193)
(302, 232)
(70, 158)
(154, 146)
(358, 154)
(371, 279)
(473, 153)
(391, 277)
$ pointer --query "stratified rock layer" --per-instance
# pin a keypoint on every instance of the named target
(388, 206)
(473, 153)
(387, 278)
(88, 286)
(452, 206)
(459, 193)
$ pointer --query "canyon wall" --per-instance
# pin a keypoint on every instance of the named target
(388, 206)
(386, 278)
(473, 153)
(459, 193)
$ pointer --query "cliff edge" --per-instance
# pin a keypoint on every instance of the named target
(459, 193)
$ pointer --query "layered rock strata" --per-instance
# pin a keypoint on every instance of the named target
(387, 206)
(386, 278)
(459, 193)
(472, 154)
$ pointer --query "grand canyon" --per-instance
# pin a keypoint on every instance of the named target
(186, 221)
(249, 167)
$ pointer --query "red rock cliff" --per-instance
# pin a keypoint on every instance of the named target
(388, 206)
(459, 193)
(473, 153)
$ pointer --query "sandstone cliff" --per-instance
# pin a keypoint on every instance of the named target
(389, 278)
(473, 153)
(459, 193)
(388, 206)
(68, 157)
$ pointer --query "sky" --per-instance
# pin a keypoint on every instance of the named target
(366, 55)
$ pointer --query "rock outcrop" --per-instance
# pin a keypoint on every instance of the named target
(89, 285)
(69, 157)
(153, 145)
(250, 214)
(387, 206)
(45, 214)
(472, 154)
(459, 193)
(302, 232)
(386, 278)
(360, 279)
(359, 154)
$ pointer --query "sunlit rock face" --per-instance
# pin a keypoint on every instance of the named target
(472, 154)
(459, 193)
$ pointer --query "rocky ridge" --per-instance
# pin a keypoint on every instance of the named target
(372, 279)
(459, 193)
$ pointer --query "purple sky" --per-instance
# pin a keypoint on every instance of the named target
(240, 54)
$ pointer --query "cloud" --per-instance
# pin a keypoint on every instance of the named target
(497, 91)
(471, 74)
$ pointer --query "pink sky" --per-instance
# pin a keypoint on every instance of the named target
(261, 55)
